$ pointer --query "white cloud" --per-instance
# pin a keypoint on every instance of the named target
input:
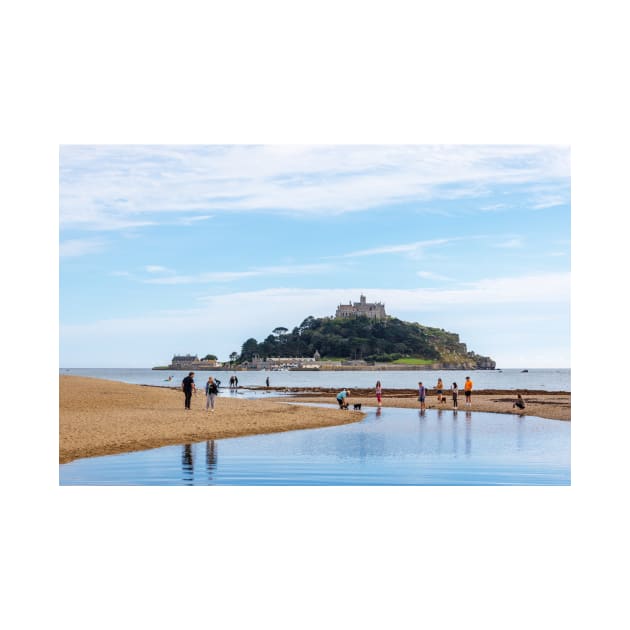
(513, 243)
(225, 320)
(157, 269)
(230, 276)
(429, 275)
(80, 247)
(112, 187)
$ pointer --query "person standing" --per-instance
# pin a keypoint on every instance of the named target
(267, 381)
(468, 385)
(188, 387)
(379, 393)
(440, 390)
(235, 382)
(211, 393)
(422, 392)
(455, 392)
(342, 397)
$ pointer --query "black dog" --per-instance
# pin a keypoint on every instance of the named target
(357, 407)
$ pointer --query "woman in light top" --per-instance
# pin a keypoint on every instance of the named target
(379, 392)
(211, 393)
(454, 391)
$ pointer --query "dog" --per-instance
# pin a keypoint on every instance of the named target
(357, 407)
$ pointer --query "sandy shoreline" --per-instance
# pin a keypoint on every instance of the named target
(100, 417)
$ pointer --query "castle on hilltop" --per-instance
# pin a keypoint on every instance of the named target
(373, 310)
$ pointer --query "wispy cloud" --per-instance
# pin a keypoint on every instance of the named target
(429, 275)
(512, 243)
(80, 247)
(118, 187)
(231, 276)
(157, 269)
(403, 248)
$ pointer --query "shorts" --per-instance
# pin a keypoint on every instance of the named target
(421, 398)
(439, 392)
(468, 392)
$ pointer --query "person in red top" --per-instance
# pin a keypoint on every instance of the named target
(468, 385)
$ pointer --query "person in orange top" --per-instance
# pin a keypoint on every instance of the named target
(468, 385)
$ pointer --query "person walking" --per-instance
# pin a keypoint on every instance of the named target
(188, 387)
(211, 393)
(422, 392)
(379, 393)
(440, 389)
(455, 392)
(342, 397)
(468, 385)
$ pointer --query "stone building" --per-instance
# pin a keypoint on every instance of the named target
(373, 310)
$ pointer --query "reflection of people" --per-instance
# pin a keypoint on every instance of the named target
(422, 392)
(455, 392)
(468, 385)
(379, 392)
(188, 387)
(342, 397)
(211, 393)
(519, 402)
(440, 389)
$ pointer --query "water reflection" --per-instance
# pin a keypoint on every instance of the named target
(468, 448)
(519, 433)
(455, 433)
(188, 467)
(211, 459)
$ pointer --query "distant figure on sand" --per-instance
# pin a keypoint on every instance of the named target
(455, 392)
(342, 398)
(379, 393)
(188, 387)
(519, 403)
(440, 389)
(235, 382)
(267, 381)
(231, 382)
(468, 385)
(422, 393)
(211, 393)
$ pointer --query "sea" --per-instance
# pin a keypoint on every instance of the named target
(388, 447)
(514, 378)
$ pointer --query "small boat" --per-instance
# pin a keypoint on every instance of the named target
(524, 371)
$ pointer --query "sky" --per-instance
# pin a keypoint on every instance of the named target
(170, 249)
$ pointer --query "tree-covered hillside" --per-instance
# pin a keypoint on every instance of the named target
(362, 338)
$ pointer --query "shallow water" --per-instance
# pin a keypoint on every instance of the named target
(389, 447)
(547, 379)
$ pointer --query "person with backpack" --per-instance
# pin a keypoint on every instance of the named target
(211, 393)
(188, 387)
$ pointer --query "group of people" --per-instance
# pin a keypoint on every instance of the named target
(189, 388)
(234, 382)
(468, 386)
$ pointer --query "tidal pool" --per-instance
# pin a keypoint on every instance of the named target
(389, 447)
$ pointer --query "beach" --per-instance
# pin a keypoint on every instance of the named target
(101, 417)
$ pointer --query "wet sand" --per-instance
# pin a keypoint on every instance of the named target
(100, 417)
(551, 405)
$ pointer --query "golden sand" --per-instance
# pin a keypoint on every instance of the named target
(99, 417)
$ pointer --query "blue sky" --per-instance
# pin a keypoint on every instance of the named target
(175, 249)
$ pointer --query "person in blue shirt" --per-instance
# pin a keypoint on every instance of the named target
(422, 394)
(342, 399)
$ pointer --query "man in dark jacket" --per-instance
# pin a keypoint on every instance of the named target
(188, 387)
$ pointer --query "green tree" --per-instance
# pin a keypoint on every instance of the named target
(210, 357)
